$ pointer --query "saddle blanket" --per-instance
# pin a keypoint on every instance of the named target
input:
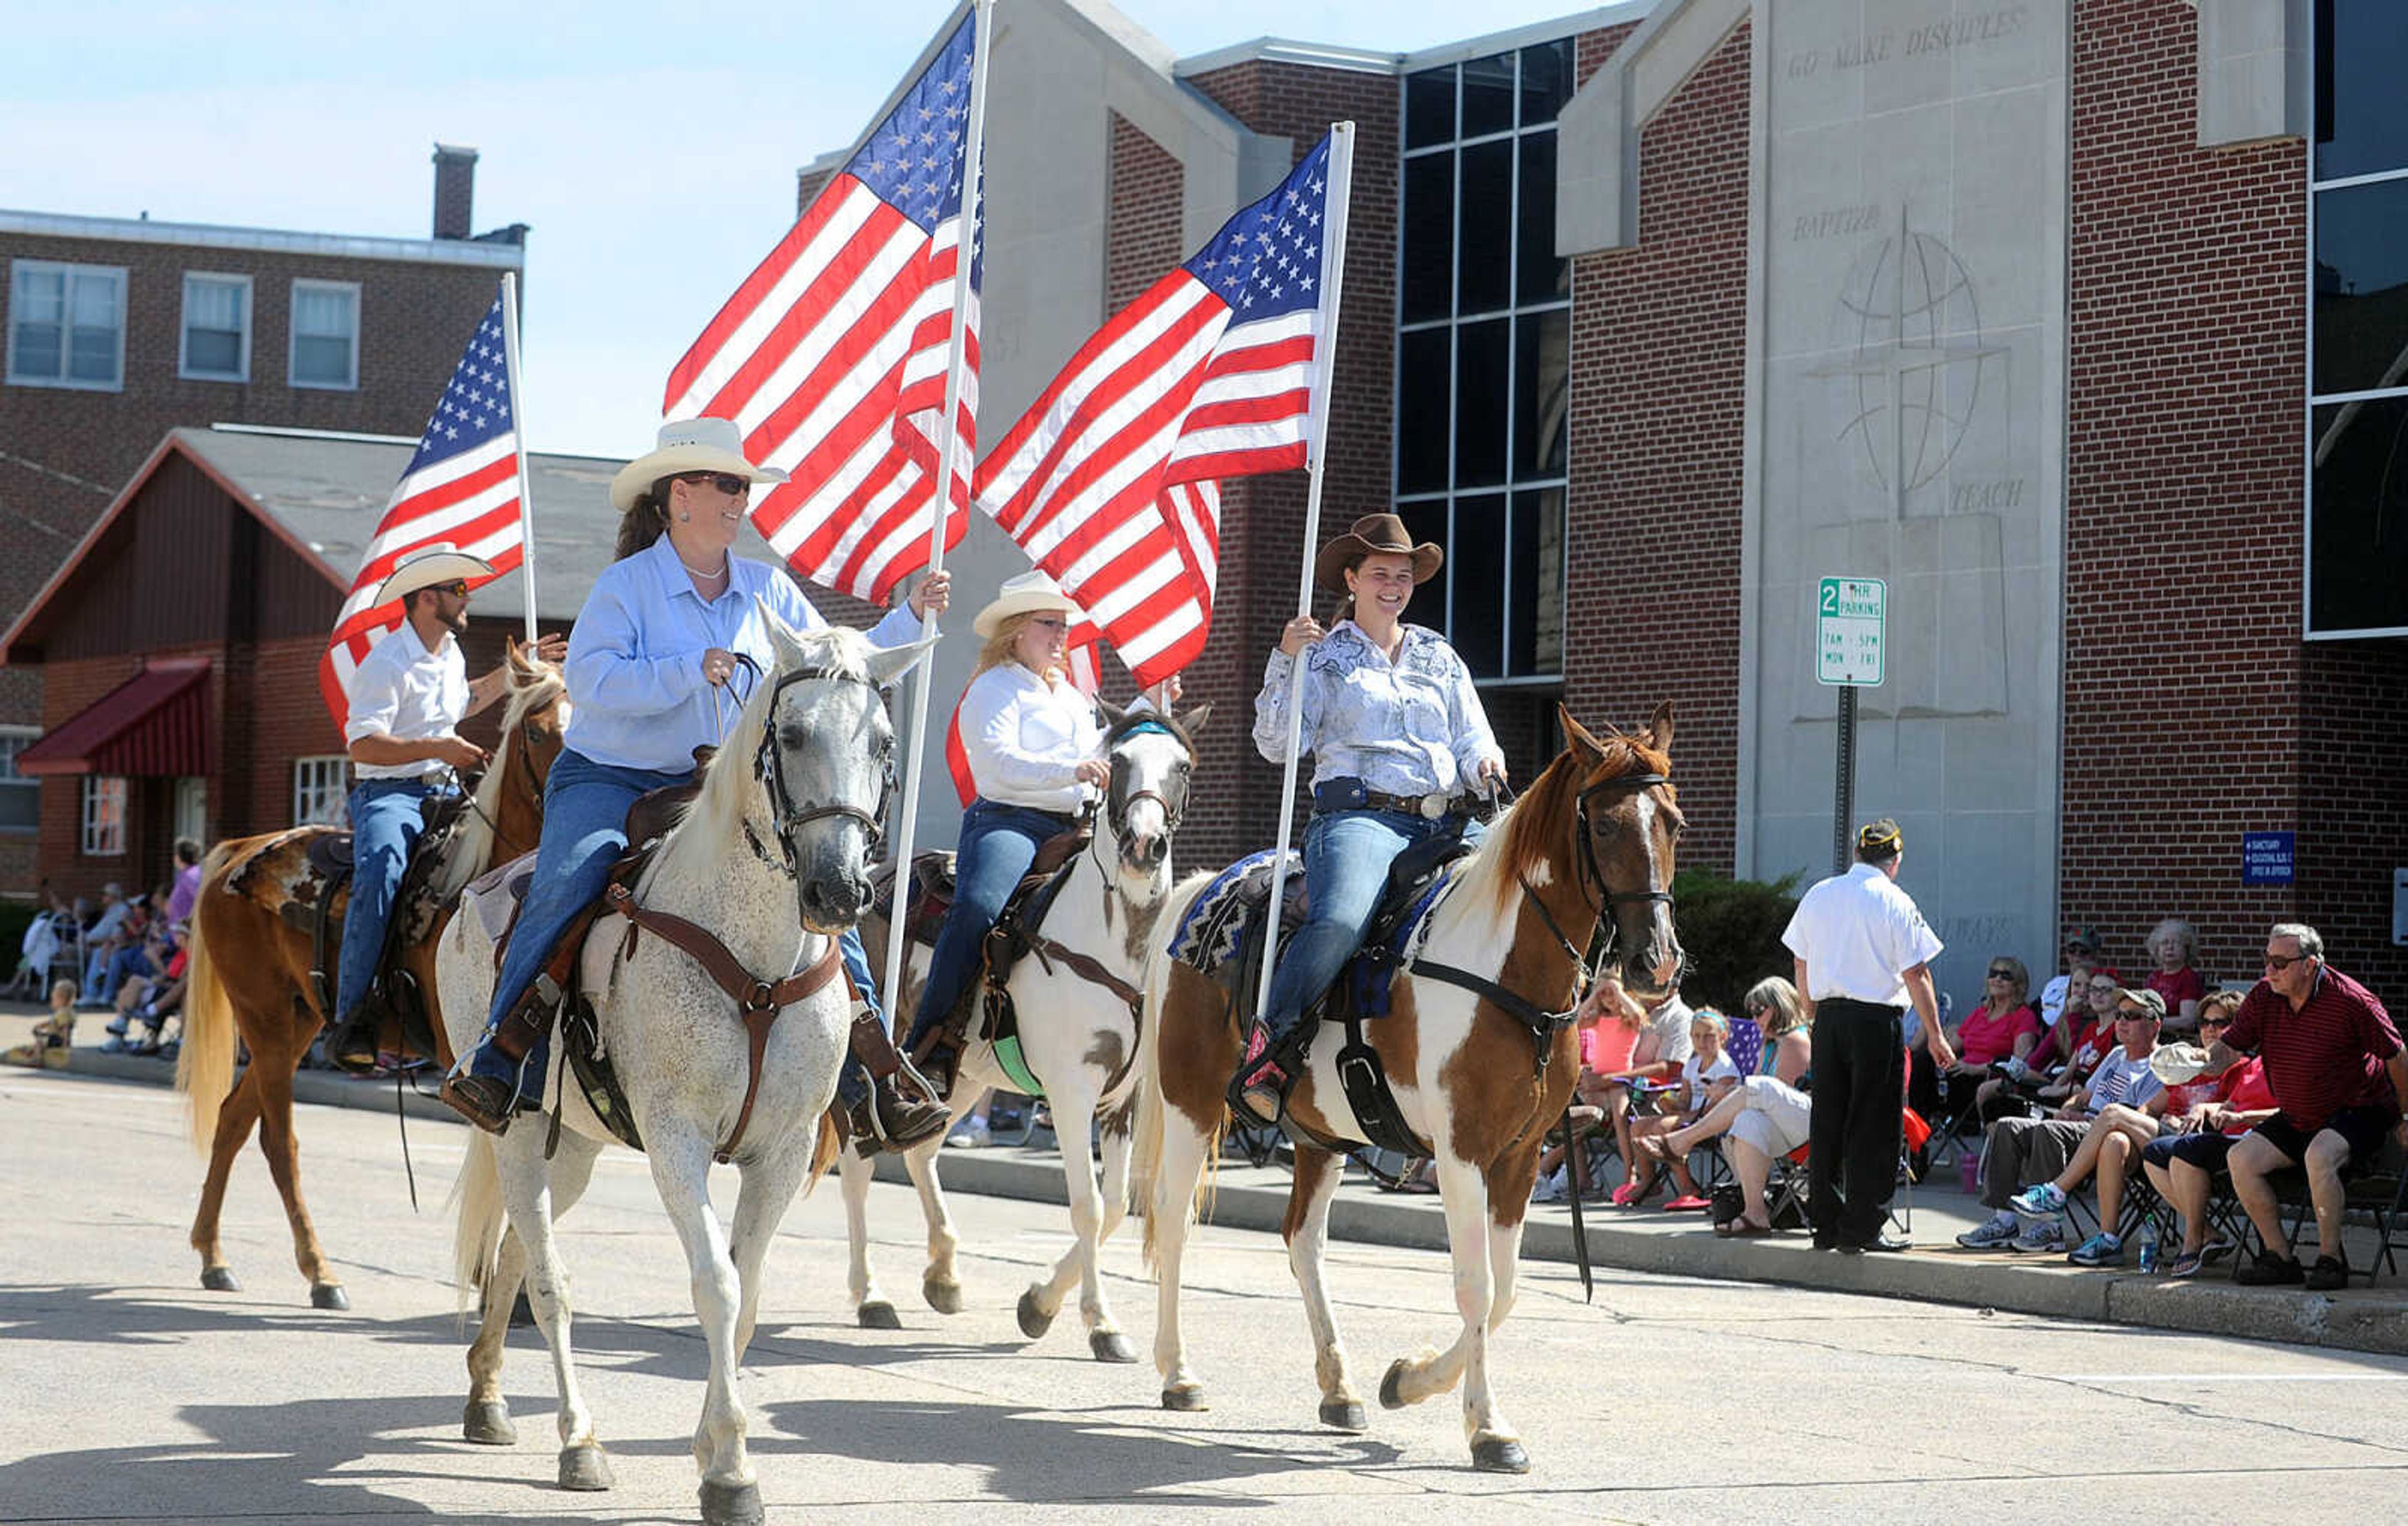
(494, 910)
(1214, 927)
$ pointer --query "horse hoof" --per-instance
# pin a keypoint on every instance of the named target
(220, 1279)
(1499, 1454)
(1111, 1345)
(330, 1295)
(487, 1422)
(1185, 1397)
(1344, 1414)
(944, 1297)
(879, 1315)
(1392, 1386)
(731, 1504)
(585, 1467)
(1034, 1321)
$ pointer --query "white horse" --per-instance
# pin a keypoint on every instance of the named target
(1478, 1049)
(1076, 996)
(772, 860)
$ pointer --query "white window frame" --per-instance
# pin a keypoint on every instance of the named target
(321, 788)
(184, 328)
(102, 837)
(14, 740)
(71, 272)
(293, 338)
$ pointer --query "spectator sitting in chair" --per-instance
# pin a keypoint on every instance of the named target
(103, 940)
(1707, 1076)
(1662, 1049)
(1764, 1117)
(2002, 1026)
(2333, 1061)
(2173, 945)
(2182, 1161)
(2081, 957)
(2122, 1096)
(1609, 1025)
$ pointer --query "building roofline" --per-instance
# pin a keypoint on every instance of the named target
(1366, 61)
(355, 437)
(1283, 50)
(459, 251)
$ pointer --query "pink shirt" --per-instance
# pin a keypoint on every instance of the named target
(1983, 1038)
(2177, 987)
(1606, 1045)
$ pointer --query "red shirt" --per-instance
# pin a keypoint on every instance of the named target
(2177, 987)
(1982, 1038)
(2243, 1090)
(2326, 1056)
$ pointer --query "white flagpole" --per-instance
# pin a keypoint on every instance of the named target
(518, 436)
(1333, 269)
(907, 804)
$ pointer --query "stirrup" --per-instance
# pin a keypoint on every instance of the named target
(1264, 1071)
(482, 1100)
(353, 1044)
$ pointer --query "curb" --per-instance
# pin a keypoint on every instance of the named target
(2374, 1320)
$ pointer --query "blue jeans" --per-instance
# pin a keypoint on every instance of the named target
(584, 832)
(1346, 859)
(998, 844)
(387, 821)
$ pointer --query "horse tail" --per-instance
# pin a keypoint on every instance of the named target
(476, 1221)
(1146, 1158)
(824, 1146)
(204, 1059)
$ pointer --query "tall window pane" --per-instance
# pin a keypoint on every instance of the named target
(1538, 275)
(1535, 628)
(1430, 108)
(1546, 81)
(2361, 110)
(1428, 521)
(1488, 95)
(2362, 287)
(1484, 241)
(1479, 589)
(66, 326)
(2358, 573)
(1541, 379)
(1482, 372)
(1430, 238)
(325, 334)
(1424, 377)
(217, 327)
(37, 326)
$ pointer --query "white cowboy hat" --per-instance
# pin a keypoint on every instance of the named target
(1023, 595)
(2175, 1064)
(688, 445)
(429, 565)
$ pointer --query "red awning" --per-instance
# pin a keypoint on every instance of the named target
(154, 724)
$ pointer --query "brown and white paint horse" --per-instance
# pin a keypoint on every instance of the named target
(249, 972)
(1590, 844)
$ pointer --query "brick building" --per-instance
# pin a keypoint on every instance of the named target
(119, 329)
(1658, 313)
(179, 644)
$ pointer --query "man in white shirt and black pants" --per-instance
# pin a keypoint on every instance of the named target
(1862, 952)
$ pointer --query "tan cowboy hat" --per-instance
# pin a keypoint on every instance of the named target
(1374, 534)
(2176, 1063)
(688, 445)
(1024, 593)
(428, 566)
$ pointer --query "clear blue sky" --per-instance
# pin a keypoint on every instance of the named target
(653, 156)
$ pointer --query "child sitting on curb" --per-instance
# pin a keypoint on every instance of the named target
(53, 1036)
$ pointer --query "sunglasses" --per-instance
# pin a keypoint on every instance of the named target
(2002, 975)
(2216, 1019)
(2136, 1017)
(726, 482)
(2279, 963)
(458, 589)
(2102, 991)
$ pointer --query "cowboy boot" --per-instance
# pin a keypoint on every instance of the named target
(353, 1044)
(887, 1120)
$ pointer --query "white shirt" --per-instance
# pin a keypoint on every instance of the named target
(1026, 738)
(1413, 727)
(411, 694)
(1859, 932)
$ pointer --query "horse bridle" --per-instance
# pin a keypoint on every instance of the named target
(1118, 804)
(1605, 933)
(787, 818)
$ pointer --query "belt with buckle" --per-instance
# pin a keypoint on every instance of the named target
(1429, 807)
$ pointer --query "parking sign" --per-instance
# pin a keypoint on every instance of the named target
(1849, 615)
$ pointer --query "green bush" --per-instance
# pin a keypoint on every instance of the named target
(1730, 929)
(15, 917)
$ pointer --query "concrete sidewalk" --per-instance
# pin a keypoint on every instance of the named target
(1644, 1239)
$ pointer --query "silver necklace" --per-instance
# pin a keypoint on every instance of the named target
(720, 571)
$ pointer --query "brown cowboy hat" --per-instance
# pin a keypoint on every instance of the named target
(1374, 534)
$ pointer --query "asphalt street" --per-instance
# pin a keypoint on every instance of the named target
(133, 1395)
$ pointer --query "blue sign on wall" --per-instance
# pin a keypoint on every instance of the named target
(2266, 858)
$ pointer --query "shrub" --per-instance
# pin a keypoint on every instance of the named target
(1730, 929)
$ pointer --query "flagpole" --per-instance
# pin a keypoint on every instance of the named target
(518, 436)
(956, 356)
(1333, 270)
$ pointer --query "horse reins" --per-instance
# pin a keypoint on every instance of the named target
(788, 819)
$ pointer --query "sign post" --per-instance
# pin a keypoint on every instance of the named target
(1851, 617)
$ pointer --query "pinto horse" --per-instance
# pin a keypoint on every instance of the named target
(715, 992)
(1074, 993)
(1478, 1047)
(248, 971)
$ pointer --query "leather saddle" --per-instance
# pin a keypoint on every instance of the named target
(407, 1028)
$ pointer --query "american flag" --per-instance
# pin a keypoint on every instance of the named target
(1110, 480)
(831, 356)
(462, 488)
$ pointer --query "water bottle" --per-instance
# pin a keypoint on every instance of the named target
(2148, 1247)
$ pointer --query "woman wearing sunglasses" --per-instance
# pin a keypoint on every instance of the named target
(650, 662)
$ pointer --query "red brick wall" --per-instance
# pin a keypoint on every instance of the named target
(1657, 425)
(1262, 518)
(2183, 550)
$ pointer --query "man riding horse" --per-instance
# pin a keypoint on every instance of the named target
(407, 699)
